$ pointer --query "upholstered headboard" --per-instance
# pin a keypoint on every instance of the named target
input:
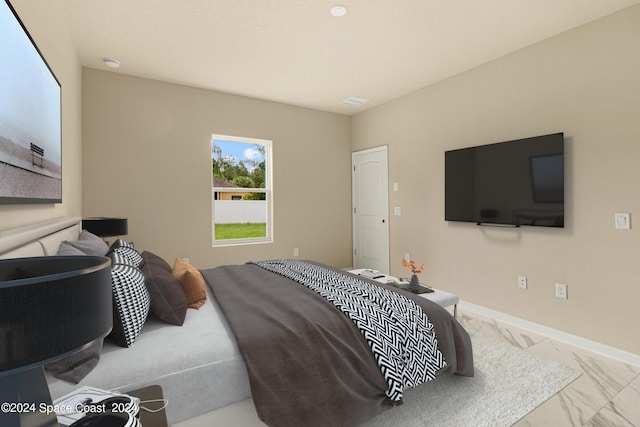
(39, 239)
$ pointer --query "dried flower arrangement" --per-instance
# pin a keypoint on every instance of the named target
(411, 265)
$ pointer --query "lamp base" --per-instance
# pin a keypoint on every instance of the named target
(25, 400)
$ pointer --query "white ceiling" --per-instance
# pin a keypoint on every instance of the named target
(295, 52)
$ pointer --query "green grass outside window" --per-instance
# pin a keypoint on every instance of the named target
(240, 231)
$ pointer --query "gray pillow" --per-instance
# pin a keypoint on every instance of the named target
(88, 244)
(168, 301)
(66, 249)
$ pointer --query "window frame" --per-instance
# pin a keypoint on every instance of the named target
(267, 189)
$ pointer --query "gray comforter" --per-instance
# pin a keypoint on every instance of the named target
(308, 364)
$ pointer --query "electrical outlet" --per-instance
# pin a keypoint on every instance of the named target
(296, 252)
(407, 257)
(522, 282)
(561, 290)
(623, 221)
(185, 259)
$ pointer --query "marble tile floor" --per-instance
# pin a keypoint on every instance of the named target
(606, 394)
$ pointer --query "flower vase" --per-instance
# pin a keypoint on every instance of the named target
(414, 285)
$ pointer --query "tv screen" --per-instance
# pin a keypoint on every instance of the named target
(30, 118)
(519, 182)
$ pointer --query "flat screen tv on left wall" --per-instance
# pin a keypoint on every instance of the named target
(30, 118)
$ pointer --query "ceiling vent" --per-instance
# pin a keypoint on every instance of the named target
(354, 100)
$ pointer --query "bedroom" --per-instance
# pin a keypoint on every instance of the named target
(582, 82)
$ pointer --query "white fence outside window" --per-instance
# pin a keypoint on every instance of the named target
(239, 211)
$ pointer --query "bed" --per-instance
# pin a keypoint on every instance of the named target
(210, 362)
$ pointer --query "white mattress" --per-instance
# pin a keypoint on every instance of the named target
(197, 364)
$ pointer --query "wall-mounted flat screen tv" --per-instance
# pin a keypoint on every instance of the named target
(30, 118)
(519, 182)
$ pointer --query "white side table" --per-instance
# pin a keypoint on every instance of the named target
(442, 298)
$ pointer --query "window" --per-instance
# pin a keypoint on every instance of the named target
(241, 190)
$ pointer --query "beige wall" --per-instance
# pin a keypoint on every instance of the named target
(147, 148)
(48, 29)
(584, 83)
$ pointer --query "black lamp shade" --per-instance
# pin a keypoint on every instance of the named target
(106, 227)
(51, 307)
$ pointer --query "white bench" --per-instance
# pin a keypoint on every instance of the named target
(445, 299)
(442, 298)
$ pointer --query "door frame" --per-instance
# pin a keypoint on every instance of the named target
(385, 198)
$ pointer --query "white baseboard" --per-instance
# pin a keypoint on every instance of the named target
(574, 340)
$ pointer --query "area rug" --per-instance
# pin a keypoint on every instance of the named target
(508, 384)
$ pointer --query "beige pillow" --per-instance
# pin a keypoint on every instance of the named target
(195, 288)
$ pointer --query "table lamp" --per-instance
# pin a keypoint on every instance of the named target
(50, 308)
(106, 227)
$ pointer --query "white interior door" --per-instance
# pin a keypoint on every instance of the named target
(370, 194)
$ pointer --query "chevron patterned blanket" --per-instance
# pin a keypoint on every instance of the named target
(307, 361)
(399, 333)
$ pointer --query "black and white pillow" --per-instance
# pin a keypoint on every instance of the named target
(120, 257)
(120, 243)
(131, 303)
(126, 249)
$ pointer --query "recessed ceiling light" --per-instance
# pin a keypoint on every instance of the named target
(354, 100)
(111, 63)
(338, 11)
